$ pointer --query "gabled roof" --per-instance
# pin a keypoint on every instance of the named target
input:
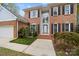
(19, 18)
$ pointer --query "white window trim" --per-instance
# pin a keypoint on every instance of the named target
(41, 25)
(65, 8)
(69, 27)
(31, 14)
(43, 28)
(57, 11)
(53, 28)
(45, 18)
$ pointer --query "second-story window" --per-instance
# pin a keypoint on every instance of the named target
(55, 11)
(34, 14)
(45, 20)
(67, 9)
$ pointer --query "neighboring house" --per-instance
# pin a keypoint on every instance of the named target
(10, 23)
(54, 18)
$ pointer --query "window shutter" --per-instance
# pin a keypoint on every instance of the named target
(51, 11)
(59, 10)
(38, 28)
(72, 7)
(38, 13)
(71, 27)
(58, 27)
(63, 10)
(29, 14)
(63, 27)
(51, 28)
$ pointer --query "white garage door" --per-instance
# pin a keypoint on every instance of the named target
(6, 31)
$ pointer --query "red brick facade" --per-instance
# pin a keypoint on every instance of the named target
(71, 18)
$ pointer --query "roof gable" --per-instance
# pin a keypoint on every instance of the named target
(6, 15)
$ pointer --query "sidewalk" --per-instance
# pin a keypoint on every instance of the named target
(4, 42)
(41, 47)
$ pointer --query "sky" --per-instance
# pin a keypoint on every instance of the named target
(28, 5)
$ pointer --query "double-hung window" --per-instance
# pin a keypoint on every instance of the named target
(67, 9)
(55, 11)
(67, 27)
(45, 20)
(33, 13)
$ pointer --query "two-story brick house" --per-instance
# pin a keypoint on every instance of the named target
(56, 17)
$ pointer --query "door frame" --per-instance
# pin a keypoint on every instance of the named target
(41, 23)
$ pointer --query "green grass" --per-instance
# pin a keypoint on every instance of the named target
(25, 41)
(8, 52)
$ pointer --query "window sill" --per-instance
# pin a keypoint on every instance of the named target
(67, 14)
(56, 16)
(34, 18)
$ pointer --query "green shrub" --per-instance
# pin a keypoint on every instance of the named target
(66, 41)
(68, 37)
(58, 36)
(24, 32)
(21, 33)
(34, 34)
(77, 28)
(75, 51)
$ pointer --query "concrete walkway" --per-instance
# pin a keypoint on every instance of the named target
(14, 46)
(41, 47)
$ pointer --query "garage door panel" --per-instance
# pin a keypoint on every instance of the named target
(6, 31)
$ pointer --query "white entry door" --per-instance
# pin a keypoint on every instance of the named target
(45, 24)
(45, 29)
(6, 32)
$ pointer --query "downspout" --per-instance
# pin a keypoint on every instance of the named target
(17, 27)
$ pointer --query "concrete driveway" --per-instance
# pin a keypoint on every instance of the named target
(41, 47)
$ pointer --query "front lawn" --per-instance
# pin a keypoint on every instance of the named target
(8, 52)
(25, 41)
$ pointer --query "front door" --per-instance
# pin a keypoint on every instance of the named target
(45, 29)
(45, 24)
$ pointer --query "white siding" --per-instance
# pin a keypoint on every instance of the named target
(6, 15)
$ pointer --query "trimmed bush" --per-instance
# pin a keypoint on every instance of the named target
(66, 41)
(68, 37)
(24, 32)
(77, 28)
(77, 51)
(21, 33)
(34, 34)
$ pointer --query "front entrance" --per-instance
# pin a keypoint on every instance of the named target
(44, 28)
